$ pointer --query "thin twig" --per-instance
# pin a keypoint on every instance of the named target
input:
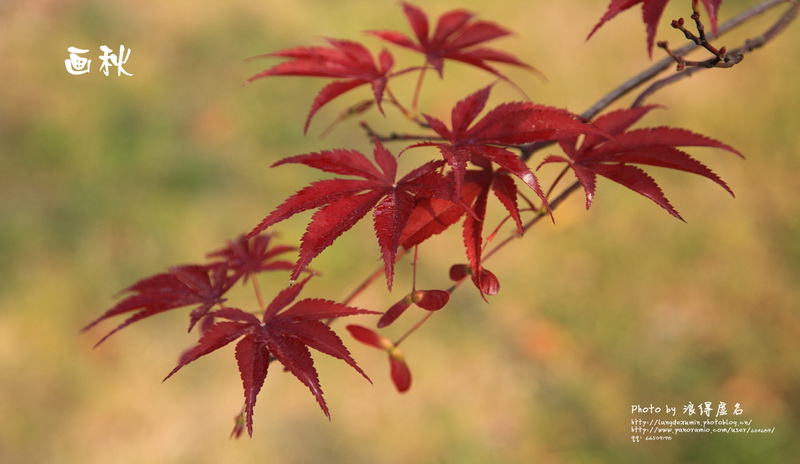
(553, 205)
(370, 279)
(527, 151)
(394, 136)
(257, 290)
(750, 45)
(665, 63)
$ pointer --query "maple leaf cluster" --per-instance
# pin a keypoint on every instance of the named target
(480, 154)
(614, 157)
(281, 334)
(476, 152)
(200, 285)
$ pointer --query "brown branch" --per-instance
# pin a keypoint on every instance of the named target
(527, 151)
(650, 73)
(660, 66)
(721, 57)
(553, 205)
(750, 45)
(394, 136)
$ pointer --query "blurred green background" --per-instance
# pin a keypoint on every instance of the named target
(107, 179)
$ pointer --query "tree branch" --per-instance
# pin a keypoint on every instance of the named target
(527, 151)
(750, 45)
(650, 73)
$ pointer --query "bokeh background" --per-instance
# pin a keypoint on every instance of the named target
(104, 180)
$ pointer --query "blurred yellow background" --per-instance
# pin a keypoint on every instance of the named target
(107, 179)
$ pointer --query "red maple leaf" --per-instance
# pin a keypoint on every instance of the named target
(398, 369)
(245, 256)
(455, 38)
(344, 202)
(283, 334)
(344, 59)
(195, 284)
(651, 14)
(433, 216)
(508, 124)
(181, 286)
(505, 191)
(614, 158)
